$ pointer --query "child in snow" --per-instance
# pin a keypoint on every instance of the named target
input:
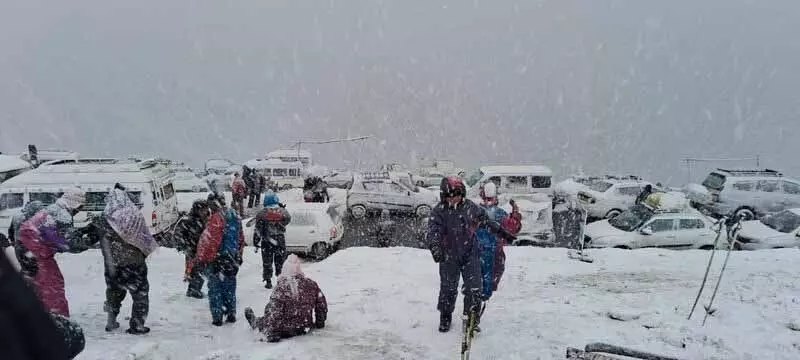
(492, 254)
(45, 234)
(296, 305)
(219, 252)
(125, 242)
(270, 233)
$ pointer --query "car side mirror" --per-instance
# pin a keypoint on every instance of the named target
(646, 231)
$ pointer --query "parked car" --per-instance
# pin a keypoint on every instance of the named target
(429, 179)
(221, 166)
(775, 231)
(316, 229)
(641, 226)
(748, 194)
(606, 199)
(189, 188)
(372, 193)
(339, 179)
(513, 182)
(11, 166)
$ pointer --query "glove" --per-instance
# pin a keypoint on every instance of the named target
(436, 252)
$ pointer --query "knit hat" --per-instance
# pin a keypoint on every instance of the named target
(72, 198)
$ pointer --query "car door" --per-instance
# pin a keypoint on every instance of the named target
(769, 196)
(398, 196)
(663, 233)
(371, 194)
(692, 233)
(791, 194)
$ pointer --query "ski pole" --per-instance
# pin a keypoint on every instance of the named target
(732, 239)
(708, 267)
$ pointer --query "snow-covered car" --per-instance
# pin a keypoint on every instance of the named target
(429, 179)
(11, 166)
(375, 193)
(641, 226)
(608, 198)
(747, 194)
(775, 231)
(537, 221)
(221, 166)
(189, 188)
(316, 229)
(339, 179)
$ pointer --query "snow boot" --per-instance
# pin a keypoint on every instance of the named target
(111, 323)
(268, 284)
(137, 327)
(231, 318)
(250, 316)
(194, 294)
(445, 320)
(217, 322)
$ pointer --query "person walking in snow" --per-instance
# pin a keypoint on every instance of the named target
(30, 209)
(646, 192)
(454, 246)
(253, 190)
(219, 253)
(492, 255)
(270, 234)
(46, 233)
(125, 242)
(295, 306)
(188, 235)
(238, 193)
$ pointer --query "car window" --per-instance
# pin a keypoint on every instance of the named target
(11, 201)
(516, 182)
(629, 191)
(371, 186)
(395, 188)
(768, 186)
(540, 182)
(169, 191)
(743, 185)
(660, 225)
(45, 197)
(280, 172)
(691, 223)
(303, 218)
(791, 188)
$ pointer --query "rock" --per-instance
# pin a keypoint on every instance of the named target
(623, 315)
(793, 325)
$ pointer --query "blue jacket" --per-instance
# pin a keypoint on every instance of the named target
(488, 242)
(230, 235)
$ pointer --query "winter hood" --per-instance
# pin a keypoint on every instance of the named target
(126, 219)
(290, 272)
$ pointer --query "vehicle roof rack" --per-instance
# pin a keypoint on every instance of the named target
(376, 175)
(756, 172)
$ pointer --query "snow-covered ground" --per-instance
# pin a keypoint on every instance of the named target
(382, 306)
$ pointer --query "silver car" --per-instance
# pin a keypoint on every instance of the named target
(373, 194)
(744, 193)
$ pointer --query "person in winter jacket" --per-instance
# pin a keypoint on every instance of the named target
(238, 193)
(45, 234)
(646, 192)
(492, 254)
(125, 242)
(27, 331)
(295, 306)
(270, 233)
(454, 246)
(30, 209)
(219, 253)
(188, 234)
(254, 194)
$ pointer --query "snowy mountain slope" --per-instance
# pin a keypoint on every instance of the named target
(382, 306)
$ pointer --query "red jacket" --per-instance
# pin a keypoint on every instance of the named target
(238, 187)
(289, 313)
(211, 239)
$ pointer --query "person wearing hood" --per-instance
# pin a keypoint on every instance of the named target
(270, 234)
(219, 253)
(30, 209)
(455, 247)
(492, 254)
(45, 234)
(296, 306)
(188, 235)
(238, 193)
(125, 242)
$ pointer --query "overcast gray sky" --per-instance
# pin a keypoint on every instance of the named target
(628, 85)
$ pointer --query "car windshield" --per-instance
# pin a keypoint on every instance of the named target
(600, 186)
(632, 218)
(785, 221)
(474, 178)
(714, 181)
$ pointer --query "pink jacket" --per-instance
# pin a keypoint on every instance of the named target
(41, 237)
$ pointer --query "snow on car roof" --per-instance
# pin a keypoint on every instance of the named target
(87, 174)
(796, 211)
(537, 170)
(10, 163)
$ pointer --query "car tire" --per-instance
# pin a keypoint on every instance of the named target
(358, 211)
(423, 211)
(320, 251)
(613, 213)
(745, 214)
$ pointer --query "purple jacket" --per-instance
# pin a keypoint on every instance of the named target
(451, 230)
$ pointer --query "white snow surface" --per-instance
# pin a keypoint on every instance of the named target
(383, 306)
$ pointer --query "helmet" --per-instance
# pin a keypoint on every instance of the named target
(490, 190)
(271, 199)
(452, 186)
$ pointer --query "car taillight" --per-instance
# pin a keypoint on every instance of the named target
(154, 218)
(333, 232)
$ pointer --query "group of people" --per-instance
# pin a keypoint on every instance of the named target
(248, 186)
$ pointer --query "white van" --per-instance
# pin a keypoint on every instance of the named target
(148, 183)
(284, 174)
(514, 181)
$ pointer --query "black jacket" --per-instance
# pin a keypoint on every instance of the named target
(187, 235)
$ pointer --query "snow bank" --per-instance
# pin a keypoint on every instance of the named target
(383, 306)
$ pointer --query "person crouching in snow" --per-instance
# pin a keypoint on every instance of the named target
(492, 254)
(187, 235)
(45, 234)
(296, 306)
(270, 233)
(219, 252)
(454, 246)
(125, 242)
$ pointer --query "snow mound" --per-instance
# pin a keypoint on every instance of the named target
(383, 306)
